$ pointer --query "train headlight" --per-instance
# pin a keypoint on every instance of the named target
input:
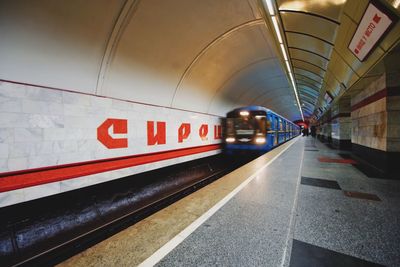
(230, 139)
(260, 140)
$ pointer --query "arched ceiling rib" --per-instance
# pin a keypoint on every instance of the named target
(207, 69)
(204, 56)
(301, 62)
(316, 39)
(225, 35)
(316, 35)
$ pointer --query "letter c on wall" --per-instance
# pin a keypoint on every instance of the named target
(120, 126)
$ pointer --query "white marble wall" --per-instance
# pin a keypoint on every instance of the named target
(341, 125)
(44, 127)
(369, 123)
(341, 128)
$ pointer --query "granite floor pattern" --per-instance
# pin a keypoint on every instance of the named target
(252, 229)
(138, 242)
(275, 214)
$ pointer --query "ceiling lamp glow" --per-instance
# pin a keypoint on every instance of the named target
(270, 7)
(278, 32)
(284, 53)
(288, 66)
(291, 76)
(274, 19)
(298, 101)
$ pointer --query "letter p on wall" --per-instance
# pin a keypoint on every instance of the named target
(183, 132)
(120, 126)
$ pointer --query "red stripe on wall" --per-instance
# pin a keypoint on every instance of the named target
(391, 91)
(373, 98)
(26, 178)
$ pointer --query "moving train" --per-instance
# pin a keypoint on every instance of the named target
(257, 129)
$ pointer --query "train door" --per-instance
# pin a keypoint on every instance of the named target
(276, 128)
(286, 131)
(270, 131)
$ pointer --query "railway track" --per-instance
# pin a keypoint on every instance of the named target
(47, 231)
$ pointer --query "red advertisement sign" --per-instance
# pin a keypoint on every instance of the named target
(373, 25)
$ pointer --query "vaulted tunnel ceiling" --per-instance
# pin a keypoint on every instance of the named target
(316, 34)
(205, 56)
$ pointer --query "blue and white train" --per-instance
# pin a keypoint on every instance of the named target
(258, 129)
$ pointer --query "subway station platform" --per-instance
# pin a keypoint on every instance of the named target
(302, 204)
(114, 114)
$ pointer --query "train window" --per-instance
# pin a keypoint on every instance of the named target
(246, 125)
(230, 126)
(280, 125)
(262, 125)
(276, 123)
(268, 124)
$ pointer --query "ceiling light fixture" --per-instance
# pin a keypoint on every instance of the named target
(270, 7)
(284, 53)
(274, 19)
(276, 27)
(291, 76)
(287, 65)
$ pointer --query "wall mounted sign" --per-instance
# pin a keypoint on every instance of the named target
(156, 133)
(328, 97)
(375, 22)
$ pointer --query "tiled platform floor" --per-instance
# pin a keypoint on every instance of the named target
(327, 228)
(307, 208)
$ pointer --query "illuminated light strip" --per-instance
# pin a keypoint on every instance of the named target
(285, 56)
(278, 32)
(298, 101)
(295, 92)
(284, 53)
(291, 76)
(396, 4)
(271, 8)
(288, 65)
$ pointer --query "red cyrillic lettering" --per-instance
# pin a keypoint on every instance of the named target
(160, 137)
(203, 132)
(183, 132)
(120, 126)
(217, 131)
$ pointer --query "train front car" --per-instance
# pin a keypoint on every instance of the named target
(246, 130)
